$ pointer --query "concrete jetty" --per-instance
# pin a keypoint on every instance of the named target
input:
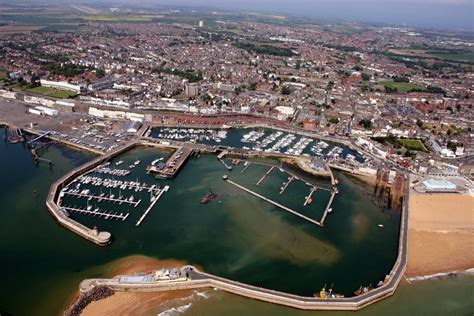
(173, 164)
(265, 175)
(274, 203)
(153, 202)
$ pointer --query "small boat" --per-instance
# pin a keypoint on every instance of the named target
(209, 196)
(327, 293)
(363, 290)
(380, 225)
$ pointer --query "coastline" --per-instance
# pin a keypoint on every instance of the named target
(440, 276)
(132, 303)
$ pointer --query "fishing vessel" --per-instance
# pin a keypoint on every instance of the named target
(363, 290)
(327, 293)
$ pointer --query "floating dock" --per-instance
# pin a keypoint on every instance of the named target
(96, 212)
(225, 165)
(309, 199)
(104, 198)
(328, 207)
(265, 175)
(274, 203)
(283, 189)
(246, 167)
(153, 202)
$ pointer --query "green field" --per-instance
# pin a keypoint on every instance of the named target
(412, 144)
(453, 56)
(51, 92)
(3, 75)
(118, 18)
(59, 27)
(401, 86)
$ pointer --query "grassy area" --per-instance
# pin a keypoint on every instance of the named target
(454, 57)
(51, 92)
(117, 18)
(412, 144)
(60, 27)
(401, 86)
(3, 75)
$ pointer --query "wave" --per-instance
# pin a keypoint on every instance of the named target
(175, 310)
(441, 275)
(182, 308)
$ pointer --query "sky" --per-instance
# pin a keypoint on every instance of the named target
(425, 13)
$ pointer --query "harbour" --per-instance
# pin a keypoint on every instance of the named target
(184, 214)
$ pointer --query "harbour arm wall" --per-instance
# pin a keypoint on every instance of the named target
(198, 279)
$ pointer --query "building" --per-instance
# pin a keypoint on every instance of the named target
(201, 23)
(61, 85)
(133, 127)
(191, 89)
(435, 185)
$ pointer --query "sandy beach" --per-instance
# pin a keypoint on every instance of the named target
(122, 303)
(441, 233)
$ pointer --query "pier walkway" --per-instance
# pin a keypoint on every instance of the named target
(275, 203)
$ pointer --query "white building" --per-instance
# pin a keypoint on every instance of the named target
(61, 85)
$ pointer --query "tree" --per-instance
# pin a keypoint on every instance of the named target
(286, 90)
(334, 120)
(253, 86)
(366, 123)
(419, 123)
(365, 77)
(100, 73)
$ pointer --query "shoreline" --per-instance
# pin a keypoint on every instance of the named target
(119, 300)
(440, 275)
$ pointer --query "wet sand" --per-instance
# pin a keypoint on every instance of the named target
(122, 303)
(441, 233)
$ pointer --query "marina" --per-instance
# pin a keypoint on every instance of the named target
(286, 184)
(263, 140)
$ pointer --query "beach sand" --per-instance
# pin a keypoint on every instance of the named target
(122, 303)
(441, 233)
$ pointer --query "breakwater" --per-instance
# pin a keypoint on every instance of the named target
(199, 279)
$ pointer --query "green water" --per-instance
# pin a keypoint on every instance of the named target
(236, 236)
(433, 297)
